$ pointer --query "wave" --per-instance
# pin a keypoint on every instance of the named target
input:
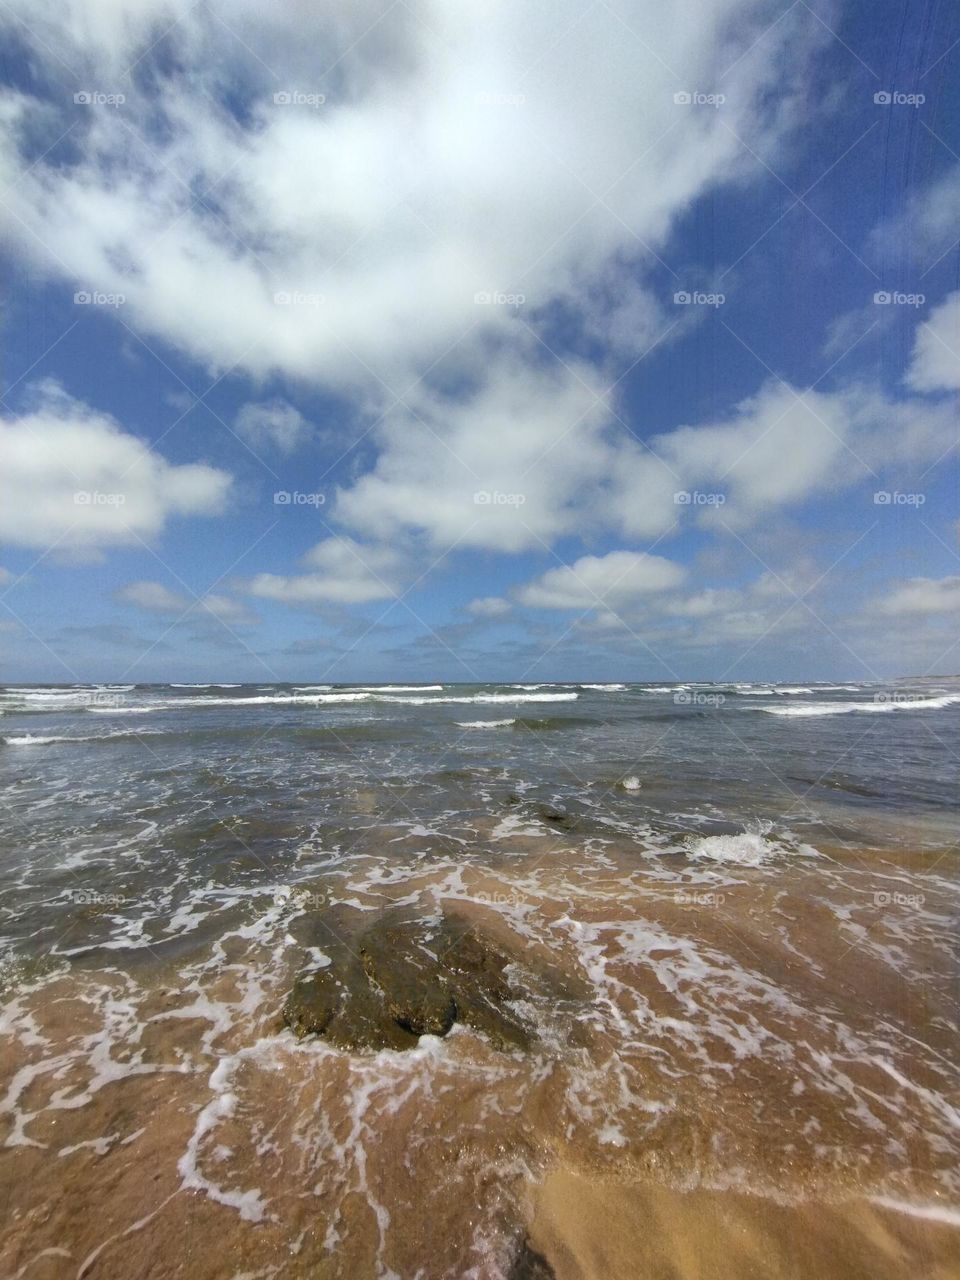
(395, 688)
(211, 686)
(38, 740)
(326, 699)
(604, 688)
(879, 704)
(485, 724)
(486, 698)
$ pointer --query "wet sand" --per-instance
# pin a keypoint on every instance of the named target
(746, 1058)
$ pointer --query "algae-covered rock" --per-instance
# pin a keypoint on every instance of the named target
(402, 979)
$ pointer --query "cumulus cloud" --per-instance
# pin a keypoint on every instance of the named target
(340, 571)
(272, 423)
(70, 472)
(936, 354)
(154, 597)
(594, 581)
(458, 150)
(920, 596)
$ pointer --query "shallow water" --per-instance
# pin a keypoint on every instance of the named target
(753, 916)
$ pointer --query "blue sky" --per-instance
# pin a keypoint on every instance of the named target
(424, 272)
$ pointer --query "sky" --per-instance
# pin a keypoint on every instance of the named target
(590, 339)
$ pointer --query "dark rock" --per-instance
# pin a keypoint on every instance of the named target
(530, 1265)
(406, 978)
(558, 817)
(416, 995)
(312, 1003)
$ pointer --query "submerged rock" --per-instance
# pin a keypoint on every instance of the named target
(404, 979)
(312, 1003)
(556, 816)
(530, 1265)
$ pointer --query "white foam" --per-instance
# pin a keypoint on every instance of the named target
(488, 697)
(878, 705)
(747, 849)
(931, 1212)
(611, 688)
(485, 724)
(398, 688)
(327, 699)
(38, 740)
(630, 784)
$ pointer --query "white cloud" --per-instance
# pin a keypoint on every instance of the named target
(928, 225)
(489, 607)
(341, 571)
(70, 472)
(592, 581)
(936, 354)
(154, 597)
(921, 596)
(421, 181)
(272, 422)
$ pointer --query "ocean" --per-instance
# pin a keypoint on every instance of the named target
(393, 980)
